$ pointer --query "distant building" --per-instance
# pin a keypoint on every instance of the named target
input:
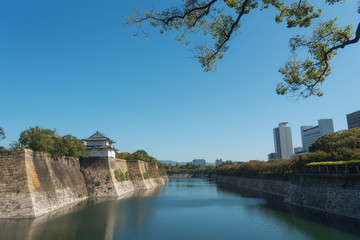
(309, 134)
(199, 162)
(353, 119)
(283, 141)
(273, 156)
(218, 162)
(297, 151)
(100, 146)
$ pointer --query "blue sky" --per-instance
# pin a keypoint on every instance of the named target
(74, 66)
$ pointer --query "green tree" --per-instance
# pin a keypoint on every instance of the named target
(46, 140)
(74, 147)
(138, 155)
(221, 19)
(334, 141)
(125, 155)
(38, 139)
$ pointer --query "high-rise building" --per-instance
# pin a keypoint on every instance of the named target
(353, 119)
(283, 141)
(309, 134)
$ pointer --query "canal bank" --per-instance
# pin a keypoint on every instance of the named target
(33, 184)
(327, 193)
(185, 208)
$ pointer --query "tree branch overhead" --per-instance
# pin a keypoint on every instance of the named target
(221, 20)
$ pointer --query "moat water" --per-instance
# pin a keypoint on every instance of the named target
(186, 208)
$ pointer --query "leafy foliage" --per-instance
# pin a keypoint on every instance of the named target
(338, 140)
(2, 134)
(281, 167)
(138, 155)
(333, 163)
(305, 75)
(47, 140)
(222, 19)
(189, 168)
(120, 177)
(177, 168)
(148, 174)
(128, 176)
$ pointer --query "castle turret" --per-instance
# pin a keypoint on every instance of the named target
(100, 146)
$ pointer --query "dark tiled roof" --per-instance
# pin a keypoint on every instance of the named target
(101, 147)
(103, 137)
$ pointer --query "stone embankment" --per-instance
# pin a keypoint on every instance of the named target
(339, 195)
(33, 184)
(327, 193)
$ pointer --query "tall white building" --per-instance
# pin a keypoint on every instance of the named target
(283, 141)
(309, 134)
(100, 146)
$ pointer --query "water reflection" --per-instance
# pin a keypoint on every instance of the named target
(90, 219)
(315, 224)
(183, 209)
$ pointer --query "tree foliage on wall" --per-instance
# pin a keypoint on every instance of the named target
(137, 155)
(221, 20)
(47, 140)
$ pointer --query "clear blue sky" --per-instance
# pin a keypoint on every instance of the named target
(74, 66)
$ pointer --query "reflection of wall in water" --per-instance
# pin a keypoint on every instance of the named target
(294, 217)
(113, 217)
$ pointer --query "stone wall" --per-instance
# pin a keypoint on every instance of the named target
(33, 184)
(98, 177)
(111, 177)
(155, 171)
(271, 186)
(141, 172)
(339, 195)
(15, 197)
(126, 185)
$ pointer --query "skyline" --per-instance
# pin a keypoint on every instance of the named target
(76, 68)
